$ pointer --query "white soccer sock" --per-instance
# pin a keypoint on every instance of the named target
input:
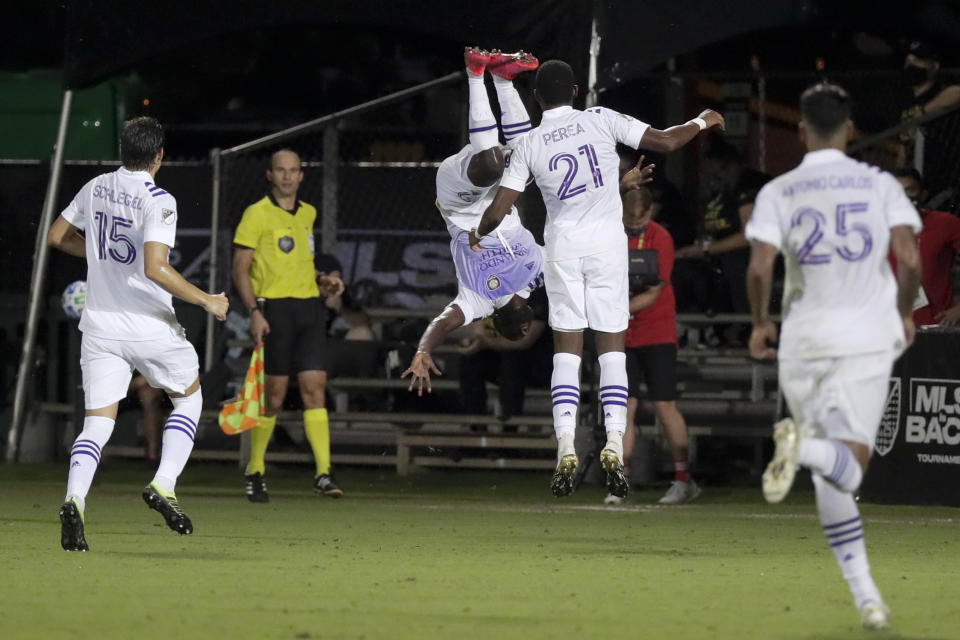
(514, 119)
(842, 525)
(178, 435)
(85, 456)
(565, 391)
(613, 391)
(483, 126)
(832, 460)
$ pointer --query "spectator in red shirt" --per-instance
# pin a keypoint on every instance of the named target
(652, 344)
(938, 242)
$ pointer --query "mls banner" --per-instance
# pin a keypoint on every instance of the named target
(917, 455)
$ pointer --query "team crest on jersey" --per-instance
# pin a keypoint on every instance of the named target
(286, 244)
(493, 282)
(469, 196)
(168, 216)
(890, 424)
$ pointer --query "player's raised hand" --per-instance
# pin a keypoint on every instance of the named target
(638, 176)
(761, 338)
(419, 372)
(330, 285)
(713, 119)
(217, 305)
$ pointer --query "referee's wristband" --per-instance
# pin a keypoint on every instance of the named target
(255, 307)
(700, 122)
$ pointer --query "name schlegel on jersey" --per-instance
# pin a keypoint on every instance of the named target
(934, 414)
(126, 199)
(827, 182)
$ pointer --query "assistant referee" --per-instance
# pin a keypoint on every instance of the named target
(273, 270)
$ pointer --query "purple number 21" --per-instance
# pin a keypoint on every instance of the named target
(566, 191)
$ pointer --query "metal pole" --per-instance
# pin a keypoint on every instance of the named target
(592, 70)
(331, 169)
(36, 282)
(360, 108)
(215, 161)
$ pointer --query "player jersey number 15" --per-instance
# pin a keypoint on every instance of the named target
(849, 248)
(572, 165)
(121, 248)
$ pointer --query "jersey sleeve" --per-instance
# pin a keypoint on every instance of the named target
(249, 230)
(160, 221)
(76, 212)
(899, 209)
(473, 305)
(625, 129)
(764, 224)
(516, 170)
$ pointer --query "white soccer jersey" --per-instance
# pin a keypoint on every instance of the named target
(118, 213)
(831, 218)
(460, 202)
(573, 157)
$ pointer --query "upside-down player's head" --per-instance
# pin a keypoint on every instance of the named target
(141, 143)
(825, 116)
(486, 167)
(512, 320)
(554, 85)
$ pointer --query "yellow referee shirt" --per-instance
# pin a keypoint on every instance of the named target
(282, 244)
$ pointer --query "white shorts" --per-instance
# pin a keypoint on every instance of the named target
(167, 363)
(857, 386)
(592, 291)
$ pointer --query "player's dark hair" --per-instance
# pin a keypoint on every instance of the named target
(485, 167)
(141, 139)
(908, 172)
(510, 319)
(825, 107)
(554, 83)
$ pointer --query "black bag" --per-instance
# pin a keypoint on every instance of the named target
(644, 270)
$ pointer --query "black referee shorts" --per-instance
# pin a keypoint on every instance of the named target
(298, 336)
(656, 365)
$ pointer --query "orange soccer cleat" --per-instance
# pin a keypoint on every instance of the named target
(476, 60)
(509, 65)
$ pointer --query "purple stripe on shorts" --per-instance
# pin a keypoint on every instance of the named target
(479, 129)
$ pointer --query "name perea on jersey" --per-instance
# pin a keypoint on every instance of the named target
(127, 200)
(562, 133)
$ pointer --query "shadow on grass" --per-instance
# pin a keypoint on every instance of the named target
(173, 555)
(873, 635)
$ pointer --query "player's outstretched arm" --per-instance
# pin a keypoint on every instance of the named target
(158, 269)
(759, 280)
(437, 331)
(664, 141)
(493, 216)
(67, 238)
(904, 247)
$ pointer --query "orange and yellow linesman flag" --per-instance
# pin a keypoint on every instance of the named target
(244, 413)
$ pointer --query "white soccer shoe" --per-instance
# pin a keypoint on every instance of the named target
(681, 493)
(612, 500)
(875, 616)
(778, 478)
(567, 463)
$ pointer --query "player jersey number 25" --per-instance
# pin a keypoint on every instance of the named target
(853, 241)
(570, 186)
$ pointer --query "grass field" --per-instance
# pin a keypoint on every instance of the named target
(453, 555)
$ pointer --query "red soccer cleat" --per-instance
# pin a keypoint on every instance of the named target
(476, 59)
(509, 65)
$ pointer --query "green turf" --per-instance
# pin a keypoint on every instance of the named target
(452, 555)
